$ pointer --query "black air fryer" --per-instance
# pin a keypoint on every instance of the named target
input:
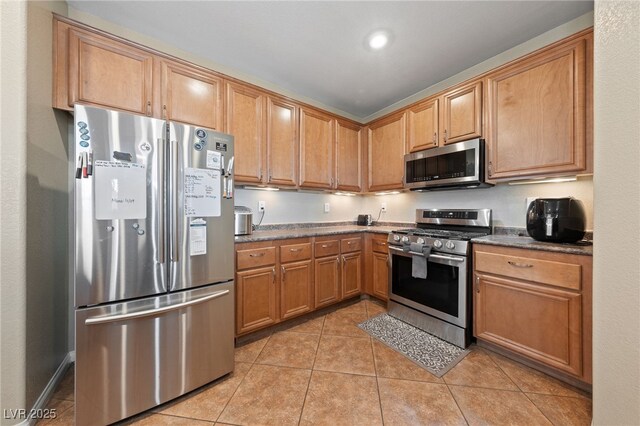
(560, 220)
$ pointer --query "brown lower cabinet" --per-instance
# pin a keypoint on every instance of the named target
(279, 280)
(536, 305)
(296, 289)
(379, 267)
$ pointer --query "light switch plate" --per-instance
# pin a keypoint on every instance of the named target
(327, 207)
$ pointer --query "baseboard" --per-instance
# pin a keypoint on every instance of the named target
(47, 393)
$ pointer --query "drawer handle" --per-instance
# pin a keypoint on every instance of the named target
(295, 250)
(520, 265)
(256, 254)
(381, 244)
(349, 242)
(325, 245)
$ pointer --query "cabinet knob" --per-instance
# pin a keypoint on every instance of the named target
(445, 135)
(149, 108)
(490, 168)
(435, 138)
(164, 111)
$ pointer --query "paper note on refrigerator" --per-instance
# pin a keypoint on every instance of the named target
(202, 192)
(120, 190)
(197, 237)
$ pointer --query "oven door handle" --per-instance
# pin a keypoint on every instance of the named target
(431, 256)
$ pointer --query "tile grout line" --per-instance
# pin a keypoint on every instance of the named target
(456, 402)
(304, 401)
(234, 393)
(375, 369)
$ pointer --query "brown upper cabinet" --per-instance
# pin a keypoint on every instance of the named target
(191, 95)
(348, 156)
(103, 72)
(462, 115)
(282, 142)
(423, 126)
(539, 113)
(386, 152)
(316, 149)
(245, 120)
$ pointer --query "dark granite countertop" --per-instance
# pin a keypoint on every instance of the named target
(517, 241)
(303, 232)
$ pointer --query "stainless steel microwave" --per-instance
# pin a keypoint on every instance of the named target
(456, 166)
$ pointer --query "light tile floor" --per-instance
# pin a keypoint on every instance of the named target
(328, 371)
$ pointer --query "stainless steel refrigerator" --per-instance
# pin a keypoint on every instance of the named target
(154, 261)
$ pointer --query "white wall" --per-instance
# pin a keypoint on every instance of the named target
(616, 281)
(33, 280)
(507, 202)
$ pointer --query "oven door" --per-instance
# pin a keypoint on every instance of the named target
(443, 294)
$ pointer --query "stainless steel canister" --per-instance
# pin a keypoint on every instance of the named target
(243, 220)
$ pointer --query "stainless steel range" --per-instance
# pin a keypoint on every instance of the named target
(429, 274)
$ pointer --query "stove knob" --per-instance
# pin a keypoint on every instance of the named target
(420, 241)
(437, 244)
(405, 239)
(450, 245)
(396, 238)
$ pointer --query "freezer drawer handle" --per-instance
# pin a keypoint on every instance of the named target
(151, 312)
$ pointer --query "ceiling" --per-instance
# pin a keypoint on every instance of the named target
(317, 49)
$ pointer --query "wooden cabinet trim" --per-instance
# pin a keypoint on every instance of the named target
(255, 257)
(282, 173)
(570, 343)
(448, 136)
(256, 175)
(295, 252)
(417, 142)
(579, 54)
(387, 162)
(324, 152)
(343, 163)
(76, 39)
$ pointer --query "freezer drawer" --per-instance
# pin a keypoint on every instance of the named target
(133, 356)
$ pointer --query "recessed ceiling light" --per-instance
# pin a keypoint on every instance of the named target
(378, 39)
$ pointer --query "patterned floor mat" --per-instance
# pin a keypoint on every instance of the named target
(426, 350)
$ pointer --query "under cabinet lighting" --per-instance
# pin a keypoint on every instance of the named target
(543, 180)
(388, 193)
(345, 194)
(262, 188)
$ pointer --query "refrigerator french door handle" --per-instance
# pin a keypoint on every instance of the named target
(161, 195)
(150, 312)
(173, 211)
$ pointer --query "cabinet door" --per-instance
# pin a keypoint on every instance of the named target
(422, 126)
(386, 153)
(256, 299)
(348, 156)
(351, 274)
(536, 321)
(462, 118)
(282, 142)
(110, 74)
(381, 275)
(190, 95)
(326, 280)
(296, 289)
(245, 121)
(537, 114)
(316, 149)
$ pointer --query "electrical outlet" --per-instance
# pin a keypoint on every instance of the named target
(327, 207)
(261, 206)
(383, 207)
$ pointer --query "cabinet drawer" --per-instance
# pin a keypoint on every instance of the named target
(253, 258)
(349, 245)
(561, 274)
(379, 245)
(327, 248)
(294, 252)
